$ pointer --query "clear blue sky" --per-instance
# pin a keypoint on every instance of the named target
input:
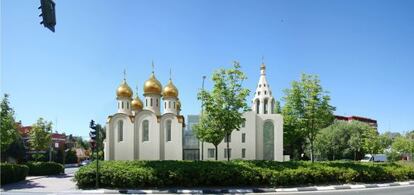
(363, 52)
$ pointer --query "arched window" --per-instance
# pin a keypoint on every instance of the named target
(268, 141)
(156, 100)
(174, 106)
(257, 106)
(120, 131)
(151, 102)
(265, 92)
(260, 85)
(273, 106)
(265, 106)
(146, 102)
(169, 104)
(118, 105)
(145, 130)
(122, 105)
(168, 130)
(165, 104)
(127, 105)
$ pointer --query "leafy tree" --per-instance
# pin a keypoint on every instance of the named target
(8, 130)
(278, 110)
(373, 143)
(16, 149)
(40, 138)
(223, 106)
(306, 111)
(403, 145)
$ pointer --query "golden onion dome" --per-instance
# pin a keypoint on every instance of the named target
(124, 91)
(170, 90)
(152, 85)
(136, 103)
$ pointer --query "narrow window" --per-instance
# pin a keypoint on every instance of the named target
(120, 131)
(169, 104)
(257, 106)
(244, 123)
(265, 92)
(260, 85)
(211, 153)
(243, 137)
(174, 106)
(225, 152)
(151, 102)
(165, 104)
(156, 102)
(168, 130)
(118, 105)
(145, 130)
(265, 106)
(127, 105)
(258, 93)
(243, 152)
(122, 105)
(264, 85)
(146, 102)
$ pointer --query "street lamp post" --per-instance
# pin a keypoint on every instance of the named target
(202, 110)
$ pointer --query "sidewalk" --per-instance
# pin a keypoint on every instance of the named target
(243, 190)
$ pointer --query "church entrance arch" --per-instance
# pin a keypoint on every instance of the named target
(268, 140)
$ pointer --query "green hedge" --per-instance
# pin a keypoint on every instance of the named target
(13, 172)
(45, 168)
(138, 174)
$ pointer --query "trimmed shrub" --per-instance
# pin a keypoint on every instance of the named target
(45, 168)
(139, 174)
(13, 172)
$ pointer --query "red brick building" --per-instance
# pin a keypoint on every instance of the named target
(369, 121)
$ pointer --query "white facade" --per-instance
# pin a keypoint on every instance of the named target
(143, 133)
(261, 137)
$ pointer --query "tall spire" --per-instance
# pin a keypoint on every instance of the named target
(170, 73)
(263, 67)
(152, 66)
(124, 74)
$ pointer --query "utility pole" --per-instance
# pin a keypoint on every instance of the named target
(94, 134)
(202, 110)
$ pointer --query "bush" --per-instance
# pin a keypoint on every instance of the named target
(13, 172)
(45, 168)
(138, 174)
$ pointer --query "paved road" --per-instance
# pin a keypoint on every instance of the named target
(396, 190)
(42, 184)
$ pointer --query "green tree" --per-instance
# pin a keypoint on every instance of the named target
(278, 109)
(40, 138)
(306, 111)
(223, 106)
(404, 145)
(16, 149)
(8, 126)
(373, 142)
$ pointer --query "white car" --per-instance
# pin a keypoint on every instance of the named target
(374, 158)
(85, 162)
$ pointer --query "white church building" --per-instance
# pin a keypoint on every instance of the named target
(139, 131)
(261, 136)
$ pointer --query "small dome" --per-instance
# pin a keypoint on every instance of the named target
(152, 85)
(124, 91)
(136, 103)
(170, 90)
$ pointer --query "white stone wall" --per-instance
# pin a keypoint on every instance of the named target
(254, 139)
(172, 150)
(147, 150)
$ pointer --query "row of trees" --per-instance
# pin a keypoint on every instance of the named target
(310, 128)
(12, 145)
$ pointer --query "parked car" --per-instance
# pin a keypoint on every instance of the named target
(374, 158)
(85, 162)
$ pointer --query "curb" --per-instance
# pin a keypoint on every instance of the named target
(248, 190)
